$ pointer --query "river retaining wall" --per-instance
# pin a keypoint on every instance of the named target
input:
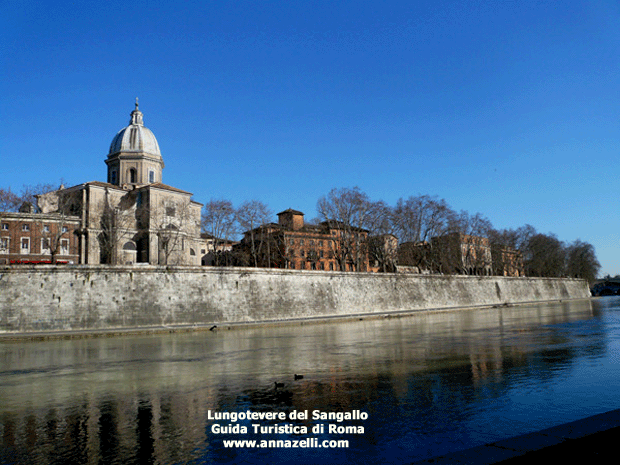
(102, 298)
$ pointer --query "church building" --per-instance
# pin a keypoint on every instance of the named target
(132, 218)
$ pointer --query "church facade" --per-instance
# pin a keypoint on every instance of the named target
(132, 218)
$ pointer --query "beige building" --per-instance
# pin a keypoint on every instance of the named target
(134, 217)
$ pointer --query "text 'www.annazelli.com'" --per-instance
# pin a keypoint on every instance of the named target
(307, 443)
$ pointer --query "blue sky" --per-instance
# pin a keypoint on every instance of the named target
(507, 108)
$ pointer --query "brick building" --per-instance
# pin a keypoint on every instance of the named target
(38, 238)
(292, 244)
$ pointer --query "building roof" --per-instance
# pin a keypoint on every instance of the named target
(290, 210)
(102, 184)
(159, 185)
(135, 138)
(40, 216)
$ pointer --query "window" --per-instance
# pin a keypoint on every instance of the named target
(25, 227)
(45, 246)
(302, 253)
(170, 211)
(151, 176)
(301, 242)
(4, 244)
(46, 228)
(25, 247)
(321, 253)
(202, 251)
(5, 226)
(64, 246)
(113, 177)
(132, 175)
(320, 243)
(65, 229)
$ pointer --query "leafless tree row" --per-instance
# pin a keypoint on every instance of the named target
(415, 219)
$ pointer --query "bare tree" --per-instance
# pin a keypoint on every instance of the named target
(420, 218)
(219, 221)
(117, 223)
(9, 201)
(173, 222)
(472, 245)
(471, 225)
(347, 212)
(251, 215)
(31, 193)
(382, 242)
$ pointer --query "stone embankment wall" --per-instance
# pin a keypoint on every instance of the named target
(68, 298)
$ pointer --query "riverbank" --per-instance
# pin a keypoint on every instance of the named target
(86, 300)
(591, 439)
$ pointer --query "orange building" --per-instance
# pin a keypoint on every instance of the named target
(292, 244)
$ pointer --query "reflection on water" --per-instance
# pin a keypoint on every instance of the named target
(430, 384)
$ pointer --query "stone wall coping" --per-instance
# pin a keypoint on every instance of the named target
(26, 268)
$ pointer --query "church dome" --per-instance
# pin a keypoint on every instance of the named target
(135, 137)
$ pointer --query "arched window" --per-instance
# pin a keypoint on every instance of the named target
(132, 175)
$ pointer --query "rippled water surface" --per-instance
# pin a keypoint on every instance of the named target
(430, 384)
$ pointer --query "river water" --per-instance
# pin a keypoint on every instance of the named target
(417, 387)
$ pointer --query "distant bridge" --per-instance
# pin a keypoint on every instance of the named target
(609, 286)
